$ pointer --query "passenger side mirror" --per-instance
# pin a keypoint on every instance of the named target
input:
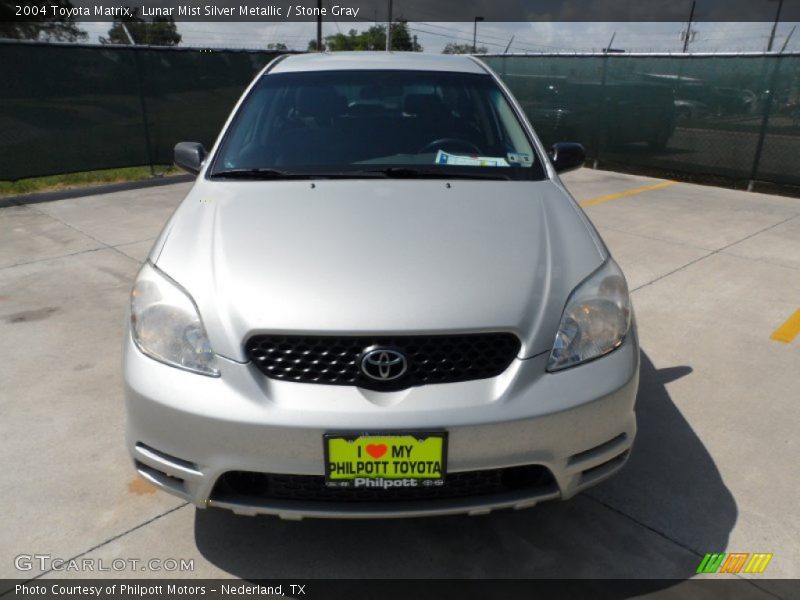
(567, 156)
(189, 156)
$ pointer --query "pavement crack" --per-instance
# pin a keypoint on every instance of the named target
(82, 232)
(713, 252)
(672, 540)
(113, 538)
(763, 261)
(147, 239)
(653, 238)
(38, 260)
(643, 524)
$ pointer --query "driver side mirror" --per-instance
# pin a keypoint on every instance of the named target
(189, 156)
(567, 156)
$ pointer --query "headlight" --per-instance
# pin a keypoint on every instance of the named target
(595, 320)
(166, 325)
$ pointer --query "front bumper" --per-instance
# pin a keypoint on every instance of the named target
(185, 430)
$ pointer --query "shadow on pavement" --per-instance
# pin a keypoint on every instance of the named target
(651, 520)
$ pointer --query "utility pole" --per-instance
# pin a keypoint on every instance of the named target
(688, 35)
(475, 34)
(775, 26)
(319, 25)
(389, 29)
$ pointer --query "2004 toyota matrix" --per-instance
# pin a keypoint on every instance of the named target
(378, 299)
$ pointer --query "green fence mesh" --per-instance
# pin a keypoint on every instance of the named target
(684, 114)
(66, 108)
(77, 108)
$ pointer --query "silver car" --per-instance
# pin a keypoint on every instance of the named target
(379, 300)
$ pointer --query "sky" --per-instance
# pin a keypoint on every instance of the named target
(527, 37)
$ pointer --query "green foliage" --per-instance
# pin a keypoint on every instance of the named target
(40, 28)
(85, 179)
(373, 38)
(453, 48)
(161, 31)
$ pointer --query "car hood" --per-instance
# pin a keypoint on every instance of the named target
(374, 256)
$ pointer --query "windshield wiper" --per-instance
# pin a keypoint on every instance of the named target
(389, 172)
(417, 173)
(259, 174)
(265, 173)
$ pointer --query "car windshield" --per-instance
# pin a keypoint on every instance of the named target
(376, 123)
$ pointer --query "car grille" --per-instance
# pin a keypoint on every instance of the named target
(246, 486)
(335, 360)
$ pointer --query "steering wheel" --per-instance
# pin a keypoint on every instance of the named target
(458, 142)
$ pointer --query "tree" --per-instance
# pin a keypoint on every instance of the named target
(277, 46)
(161, 31)
(373, 38)
(338, 42)
(454, 48)
(39, 27)
(402, 38)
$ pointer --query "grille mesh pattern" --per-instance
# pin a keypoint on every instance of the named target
(336, 360)
(248, 486)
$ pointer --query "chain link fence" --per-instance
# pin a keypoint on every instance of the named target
(67, 108)
(726, 116)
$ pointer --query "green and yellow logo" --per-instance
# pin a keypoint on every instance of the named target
(734, 562)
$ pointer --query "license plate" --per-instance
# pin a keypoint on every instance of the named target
(385, 461)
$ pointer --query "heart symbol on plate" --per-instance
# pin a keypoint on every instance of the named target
(376, 450)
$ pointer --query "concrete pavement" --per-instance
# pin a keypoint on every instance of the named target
(713, 272)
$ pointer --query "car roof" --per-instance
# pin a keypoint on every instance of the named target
(411, 61)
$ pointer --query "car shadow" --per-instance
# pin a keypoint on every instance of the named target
(654, 519)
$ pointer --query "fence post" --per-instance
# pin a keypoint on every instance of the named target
(143, 107)
(600, 118)
(762, 134)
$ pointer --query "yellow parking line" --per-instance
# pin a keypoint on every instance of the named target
(789, 330)
(625, 194)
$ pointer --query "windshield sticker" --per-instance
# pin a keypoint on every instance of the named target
(444, 158)
(520, 158)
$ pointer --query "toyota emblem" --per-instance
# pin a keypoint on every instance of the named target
(383, 364)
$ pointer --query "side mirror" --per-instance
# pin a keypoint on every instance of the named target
(567, 156)
(189, 156)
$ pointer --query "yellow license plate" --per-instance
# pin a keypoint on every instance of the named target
(385, 461)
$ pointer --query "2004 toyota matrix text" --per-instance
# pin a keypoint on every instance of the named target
(379, 300)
